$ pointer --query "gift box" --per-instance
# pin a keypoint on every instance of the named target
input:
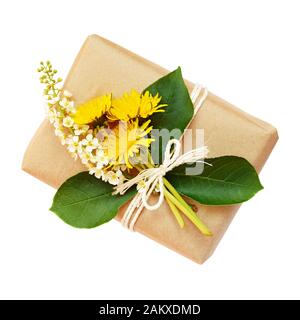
(102, 67)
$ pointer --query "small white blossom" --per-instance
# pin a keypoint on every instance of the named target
(80, 129)
(61, 135)
(105, 176)
(53, 101)
(67, 94)
(51, 115)
(74, 145)
(90, 142)
(57, 124)
(68, 122)
(86, 157)
(122, 167)
(97, 171)
(74, 156)
(115, 177)
(67, 104)
(77, 132)
(101, 158)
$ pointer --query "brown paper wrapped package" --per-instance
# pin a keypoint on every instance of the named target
(102, 67)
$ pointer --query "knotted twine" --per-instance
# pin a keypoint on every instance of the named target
(153, 177)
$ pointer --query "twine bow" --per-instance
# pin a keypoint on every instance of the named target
(153, 177)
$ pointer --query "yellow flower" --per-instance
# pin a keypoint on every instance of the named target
(92, 110)
(126, 141)
(132, 105)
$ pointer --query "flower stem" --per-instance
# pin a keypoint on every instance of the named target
(174, 210)
(190, 214)
(176, 194)
(175, 201)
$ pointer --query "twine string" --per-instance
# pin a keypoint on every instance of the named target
(153, 177)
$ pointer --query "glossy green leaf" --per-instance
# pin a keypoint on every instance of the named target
(84, 201)
(229, 180)
(177, 114)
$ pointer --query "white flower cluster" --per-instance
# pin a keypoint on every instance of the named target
(80, 140)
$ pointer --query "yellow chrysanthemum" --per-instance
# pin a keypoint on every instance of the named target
(132, 105)
(92, 110)
(126, 140)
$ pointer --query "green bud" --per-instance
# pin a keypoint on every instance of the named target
(48, 62)
(59, 79)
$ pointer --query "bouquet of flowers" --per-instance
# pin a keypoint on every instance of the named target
(131, 147)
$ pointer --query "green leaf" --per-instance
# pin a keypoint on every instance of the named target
(84, 201)
(229, 180)
(177, 114)
(174, 92)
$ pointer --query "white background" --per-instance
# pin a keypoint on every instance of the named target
(244, 51)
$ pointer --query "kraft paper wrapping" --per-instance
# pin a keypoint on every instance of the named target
(102, 67)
